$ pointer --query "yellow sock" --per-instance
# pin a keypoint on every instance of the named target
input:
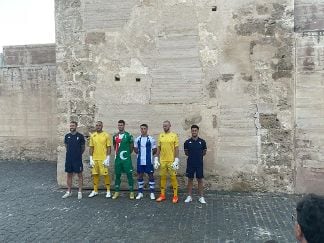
(174, 184)
(95, 182)
(163, 184)
(107, 182)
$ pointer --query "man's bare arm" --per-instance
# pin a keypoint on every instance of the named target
(176, 152)
(108, 150)
(91, 151)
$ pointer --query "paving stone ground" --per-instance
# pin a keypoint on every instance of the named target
(31, 210)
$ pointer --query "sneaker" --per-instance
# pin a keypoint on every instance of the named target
(79, 195)
(161, 198)
(67, 194)
(131, 195)
(139, 196)
(93, 193)
(188, 199)
(202, 200)
(108, 194)
(175, 199)
(152, 196)
(116, 195)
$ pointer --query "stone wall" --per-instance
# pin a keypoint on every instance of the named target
(309, 25)
(26, 55)
(226, 65)
(28, 103)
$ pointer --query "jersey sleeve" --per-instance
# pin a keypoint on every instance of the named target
(135, 142)
(91, 141)
(176, 142)
(131, 139)
(185, 145)
(108, 142)
(82, 141)
(65, 139)
(204, 145)
(153, 143)
(159, 141)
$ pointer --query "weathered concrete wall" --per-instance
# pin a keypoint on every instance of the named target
(309, 23)
(28, 105)
(226, 65)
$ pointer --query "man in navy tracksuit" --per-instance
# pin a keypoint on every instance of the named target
(195, 148)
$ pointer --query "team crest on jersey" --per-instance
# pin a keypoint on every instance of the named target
(121, 155)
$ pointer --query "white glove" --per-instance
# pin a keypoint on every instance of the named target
(175, 164)
(106, 161)
(92, 163)
(156, 163)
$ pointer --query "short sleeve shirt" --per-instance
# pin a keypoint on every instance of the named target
(167, 143)
(142, 149)
(100, 142)
(195, 150)
(74, 144)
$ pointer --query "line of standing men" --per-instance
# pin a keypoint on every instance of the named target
(165, 153)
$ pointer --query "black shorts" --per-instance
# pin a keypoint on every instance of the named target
(195, 170)
(74, 167)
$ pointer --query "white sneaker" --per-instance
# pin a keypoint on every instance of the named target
(67, 194)
(108, 194)
(152, 196)
(139, 196)
(188, 199)
(79, 195)
(93, 193)
(202, 200)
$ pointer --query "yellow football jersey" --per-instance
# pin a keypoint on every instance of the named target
(167, 143)
(100, 142)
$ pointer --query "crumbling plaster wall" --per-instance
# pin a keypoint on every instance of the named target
(231, 71)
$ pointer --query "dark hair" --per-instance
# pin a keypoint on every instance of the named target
(194, 126)
(74, 122)
(144, 125)
(310, 217)
(99, 122)
(121, 121)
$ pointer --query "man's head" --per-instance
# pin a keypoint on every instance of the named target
(121, 125)
(166, 126)
(310, 219)
(144, 128)
(99, 126)
(194, 131)
(73, 126)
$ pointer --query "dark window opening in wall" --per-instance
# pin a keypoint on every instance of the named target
(117, 77)
(214, 8)
(138, 80)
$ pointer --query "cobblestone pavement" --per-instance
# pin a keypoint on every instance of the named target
(31, 210)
